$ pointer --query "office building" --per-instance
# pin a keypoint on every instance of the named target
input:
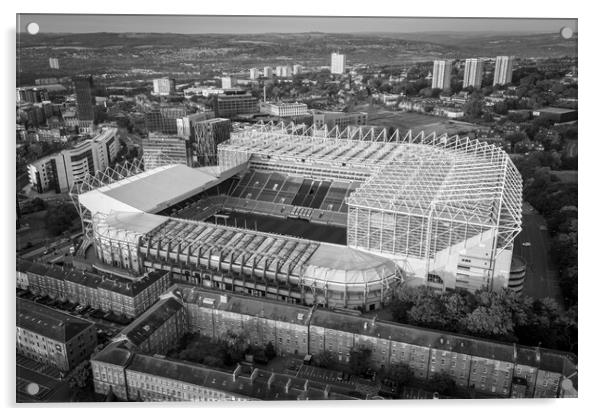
(160, 150)
(441, 74)
(503, 70)
(297, 69)
(283, 109)
(54, 63)
(330, 119)
(207, 134)
(85, 101)
(53, 338)
(184, 124)
(164, 86)
(232, 105)
(60, 171)
(163, 119)
(253, 73)
(267, 72)
(337, 63)
(473, 73)
(283, 71)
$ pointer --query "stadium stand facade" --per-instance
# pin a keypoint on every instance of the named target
(435, 210)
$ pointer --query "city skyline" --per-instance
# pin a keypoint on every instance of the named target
(187, 24)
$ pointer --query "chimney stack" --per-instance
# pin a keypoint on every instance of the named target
(327, 391)
(287, 386)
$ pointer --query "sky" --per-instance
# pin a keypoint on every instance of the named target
(87, 23)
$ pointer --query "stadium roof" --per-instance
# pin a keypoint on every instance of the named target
(339, 264)
(150, 191)
(441, 177)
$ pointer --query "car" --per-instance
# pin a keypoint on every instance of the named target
(526, 244)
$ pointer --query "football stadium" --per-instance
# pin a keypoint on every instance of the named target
(338, 218)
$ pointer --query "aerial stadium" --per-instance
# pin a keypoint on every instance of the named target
(338, 218)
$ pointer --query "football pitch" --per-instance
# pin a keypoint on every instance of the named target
(290, 226)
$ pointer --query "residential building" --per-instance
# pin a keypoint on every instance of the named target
(267, 72)
(283, 71)
(441, 74)
(158, 329)
(54, 63)
(297, 69)
(232, 105)
(159, 150)
(207, 134)
(337, 63)
(53, 338)
(109, 293)
(253, 73)
(473, 73)
(164, 86)
(503, 70)
(60, 171)
(263, 321)
(283, 109)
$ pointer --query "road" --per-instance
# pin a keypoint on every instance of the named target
(542, 277)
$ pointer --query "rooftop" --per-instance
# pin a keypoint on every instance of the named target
(151, 320)
(48, 322)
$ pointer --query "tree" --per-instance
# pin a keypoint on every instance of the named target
(359, 360)
(59, 218)
(270, 351)
(324, 359)
(442, 383)
(473, 109)
(398, 374)
(492, 322)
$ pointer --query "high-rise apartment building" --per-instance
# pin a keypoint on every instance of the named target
(54, 63)
(60, 171)
(297, 69)
(283, 71)
(164, 86)
(503, 70)
(267, 72)
(159, 150)
(85, 100)
(441, 74)
(253, 73)
(337, 63)
(473, 73)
